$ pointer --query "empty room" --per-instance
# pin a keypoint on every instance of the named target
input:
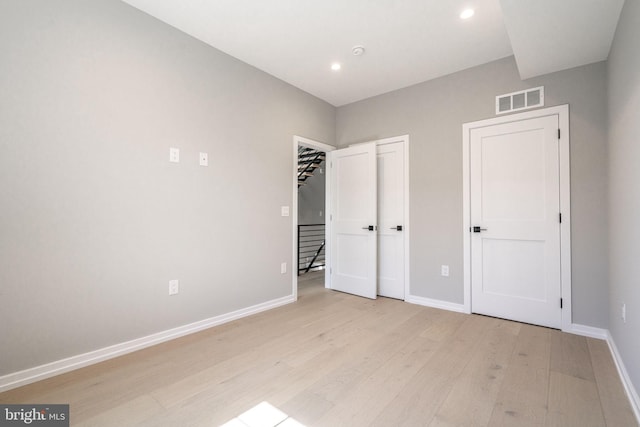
(304, 213)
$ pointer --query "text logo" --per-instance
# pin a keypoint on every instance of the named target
(34, 415)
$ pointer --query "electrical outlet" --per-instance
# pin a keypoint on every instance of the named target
(624, 313)
(174, 287)
(283, 268)
(174, 155)
(444, 270)
(204, 159)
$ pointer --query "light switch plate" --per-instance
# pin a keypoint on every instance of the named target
(204, 159)
(284, 210)
(174, 155)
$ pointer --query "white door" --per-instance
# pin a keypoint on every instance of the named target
(515, 236)
(391, 227)
(353, 220)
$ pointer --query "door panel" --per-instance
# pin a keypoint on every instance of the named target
(515, 259)
(390, 215)
(353, 205)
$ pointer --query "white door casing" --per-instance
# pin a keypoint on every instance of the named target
(391, 219)
(515, 244)
(516, 184)
(353, 220)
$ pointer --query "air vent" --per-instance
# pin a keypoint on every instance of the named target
(522, 100)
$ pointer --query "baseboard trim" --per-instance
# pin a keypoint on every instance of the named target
(588, 331)
(434, 303)
(31, 375)
(624, 376)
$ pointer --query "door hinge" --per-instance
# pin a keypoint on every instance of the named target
(560, 217)
(560, 302)
(558, 133)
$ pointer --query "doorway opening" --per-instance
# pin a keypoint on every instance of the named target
(310, 243)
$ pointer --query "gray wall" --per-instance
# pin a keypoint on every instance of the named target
(624, 187)
(311, 198)
(95, 221)
(432, 113)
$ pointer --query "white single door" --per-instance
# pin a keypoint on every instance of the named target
(515, 236)
(391, 227)
(353, 220)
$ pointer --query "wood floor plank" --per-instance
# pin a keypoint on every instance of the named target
(473, 395)
(573, 402)
(614, 401)
(132, 412)
(570, 355)
(522, 400)
(368, 356)
(360, 406)
(421, 397)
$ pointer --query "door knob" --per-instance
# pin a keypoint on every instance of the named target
(370, 228)
(477, 229)
(397, 227)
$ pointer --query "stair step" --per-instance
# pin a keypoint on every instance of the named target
(312, 166)
(310, 158)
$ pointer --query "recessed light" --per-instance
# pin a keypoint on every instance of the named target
(335, 66)
(467, 13)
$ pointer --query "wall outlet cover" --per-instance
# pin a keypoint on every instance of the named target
(444, 270)
(174, 155)
(174, 287)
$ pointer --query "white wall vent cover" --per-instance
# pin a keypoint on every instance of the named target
(522, 100)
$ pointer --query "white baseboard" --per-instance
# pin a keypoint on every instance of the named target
(434, 303)
(624, 376)
(588, 331)
(27, 376)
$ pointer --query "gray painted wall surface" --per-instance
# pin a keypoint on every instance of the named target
(624, 187)
(432, 113)
(311, 198)
(95, 221)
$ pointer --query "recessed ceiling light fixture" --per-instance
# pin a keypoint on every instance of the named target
(467, 13)
(336, 66)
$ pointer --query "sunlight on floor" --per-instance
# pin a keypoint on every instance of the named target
(263, 415)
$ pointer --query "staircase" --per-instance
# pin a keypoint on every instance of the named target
(308, 161)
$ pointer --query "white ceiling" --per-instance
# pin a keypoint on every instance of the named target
(554, 35)
(406, 41)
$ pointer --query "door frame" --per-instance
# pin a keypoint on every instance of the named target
(300, 140)
(562, 111)
(404, 139)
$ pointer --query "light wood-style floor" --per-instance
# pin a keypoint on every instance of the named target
(333, 359)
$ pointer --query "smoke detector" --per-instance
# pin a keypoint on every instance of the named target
(358, 50)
